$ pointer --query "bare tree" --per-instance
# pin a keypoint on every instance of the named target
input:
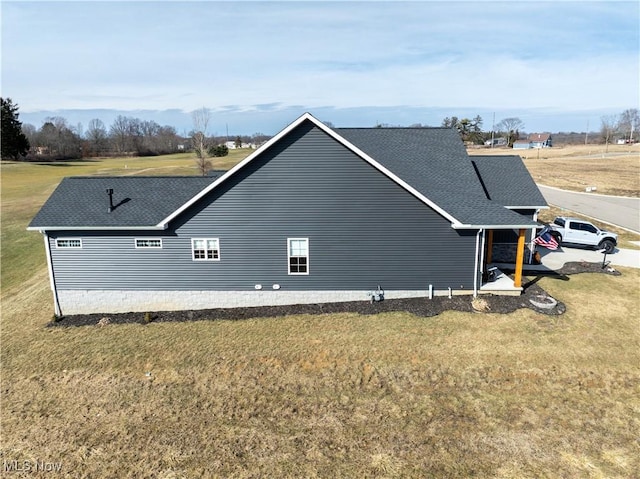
(259, 138)
(608, 128)
(510, 127)
(149, 130)
(167, 139)
(119, 132)
(97, 136)
(629, 123)
(201, 118)
(31, 132)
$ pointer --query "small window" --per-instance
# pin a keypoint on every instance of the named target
(205, 249)
(69, 243)
(298, 255)
(148, 243)
(574, 226)
(559, 222)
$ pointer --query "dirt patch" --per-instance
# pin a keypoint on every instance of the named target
(419, 306)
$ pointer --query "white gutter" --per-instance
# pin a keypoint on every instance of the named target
(47, 247)
(484, 232)
(491, 227)
(96, 228)
(475, 268)
(532, 207)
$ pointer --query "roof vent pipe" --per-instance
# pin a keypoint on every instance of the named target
(110, 193)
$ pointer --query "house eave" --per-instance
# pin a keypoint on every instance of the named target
(530, 207)
(42, 229)
(459, 226)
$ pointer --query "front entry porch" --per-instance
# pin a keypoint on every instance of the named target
(499, 283)
(496, 281)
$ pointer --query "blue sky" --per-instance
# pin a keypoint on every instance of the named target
(259, 65)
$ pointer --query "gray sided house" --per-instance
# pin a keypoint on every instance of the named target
(314, 215)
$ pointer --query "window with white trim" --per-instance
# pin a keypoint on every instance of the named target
(205, 249)
(149, 243)
(298, 252)
(71, 243)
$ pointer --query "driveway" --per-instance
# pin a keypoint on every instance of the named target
(556, 259)
(614, 210)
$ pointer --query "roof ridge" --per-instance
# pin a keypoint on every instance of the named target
(94, 177)
(393, 128)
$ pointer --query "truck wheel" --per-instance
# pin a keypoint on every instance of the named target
(608, 246)
(557, 237)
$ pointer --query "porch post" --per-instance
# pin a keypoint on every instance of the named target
(490, 247)
(533, 236)
(517, 283)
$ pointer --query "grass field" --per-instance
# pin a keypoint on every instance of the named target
(26, 186)
(392, 395)
(576, 167)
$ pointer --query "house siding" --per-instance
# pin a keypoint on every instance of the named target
(364, 230)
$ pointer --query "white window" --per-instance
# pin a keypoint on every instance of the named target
(69, 243)
(205, 249)
(148, 243)
(298, 252)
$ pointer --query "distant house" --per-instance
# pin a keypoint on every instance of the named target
(316, 214)
(540, 140)
(41, 150)
(232, 145)
(496, 142)
(521, 145)
(534, 140)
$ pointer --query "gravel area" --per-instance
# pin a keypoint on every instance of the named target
(542, 303)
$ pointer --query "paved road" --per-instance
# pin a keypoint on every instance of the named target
(615, 210)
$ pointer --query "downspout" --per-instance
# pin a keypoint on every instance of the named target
(475, 268)
(56, 302)
(482, 264)
(532, 244)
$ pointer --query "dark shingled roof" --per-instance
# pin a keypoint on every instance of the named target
(435, 162)
(508, 181)
(140, 201)
(430, 161)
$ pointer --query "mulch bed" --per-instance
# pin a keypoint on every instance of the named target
(418, 306)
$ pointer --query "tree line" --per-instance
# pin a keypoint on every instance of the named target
(56, 139)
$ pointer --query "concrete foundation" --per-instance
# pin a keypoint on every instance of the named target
(105, 301)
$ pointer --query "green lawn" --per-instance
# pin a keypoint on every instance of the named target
(26, 186)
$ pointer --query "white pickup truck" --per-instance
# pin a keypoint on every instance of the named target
(582, 233)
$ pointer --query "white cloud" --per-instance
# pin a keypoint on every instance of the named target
(185, 55)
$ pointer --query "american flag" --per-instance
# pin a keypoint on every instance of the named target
(546, 240)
